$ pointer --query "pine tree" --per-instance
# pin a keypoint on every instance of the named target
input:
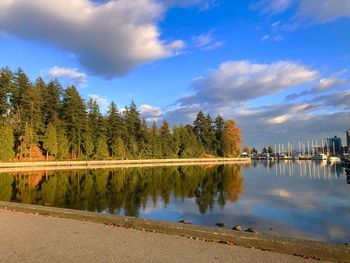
(167, 142)
(26, 142)
(51, 106)
(189, 145)
(203, 128)
(101, 151)
(118, 149)
(219, 130)
(30, 109)
(96, 121)
(75, 118)
(114, 126)
(21, 82)
(6, 143)
(62, 143)
(50, 140)
(155, 142)
(88, 144)
(132, 129)
(210, 142)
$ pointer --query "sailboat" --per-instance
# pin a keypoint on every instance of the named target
(319, 157)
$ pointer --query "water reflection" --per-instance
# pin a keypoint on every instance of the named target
(124, 191)
(311, 169)
(303, 199)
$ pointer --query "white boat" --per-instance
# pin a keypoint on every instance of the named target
(319, 157)
(334, 159)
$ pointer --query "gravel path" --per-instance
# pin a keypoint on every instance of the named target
(34, 238)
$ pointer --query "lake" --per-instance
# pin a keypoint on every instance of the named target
(303, 199)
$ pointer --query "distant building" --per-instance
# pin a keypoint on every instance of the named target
(334, 145)
(348, 138)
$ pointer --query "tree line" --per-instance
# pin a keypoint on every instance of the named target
(41, 120)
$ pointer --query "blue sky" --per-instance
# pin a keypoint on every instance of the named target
(278, 67)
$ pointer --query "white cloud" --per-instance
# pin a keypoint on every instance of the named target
(109, 38)
(283, 122)
(278, 119)
(202, 4)
(67, 74)
(339, 99)
(280, 192)
(271, 6)
(207, 41)
(275, 25)
(277, 38)
(150, 113)
(319, 11)
(101, 101)
(323, 85)
(326, 84)
(229, 90)
(238, 81)
(264, 38)
(325, 10)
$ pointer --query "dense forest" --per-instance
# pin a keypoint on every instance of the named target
(41, 120)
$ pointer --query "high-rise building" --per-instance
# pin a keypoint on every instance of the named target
(334, 145)
(348, 138)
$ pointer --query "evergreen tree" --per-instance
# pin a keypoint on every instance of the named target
(190, 146)
(21, 83)
(75, 118)
(144, 148)
(118, 149)
(132, 129)
(88, 144)
(114, 126)
(50, 140)
(155, 142)
(26, 142)
(30, 110)
(204, 130)
(167, 142)
(96, 121)
(62, 143)
(6, 143)
(101, 151)
(51, 106)
(219, 130)
(211, 143)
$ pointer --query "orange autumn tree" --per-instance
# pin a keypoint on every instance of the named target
(247, 150)
(232, 140)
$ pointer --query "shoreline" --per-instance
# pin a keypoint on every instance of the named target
(78, 165)
(284, 245)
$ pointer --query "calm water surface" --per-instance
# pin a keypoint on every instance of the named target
(299, 199)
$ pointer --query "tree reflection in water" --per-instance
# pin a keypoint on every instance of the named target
(125, 191)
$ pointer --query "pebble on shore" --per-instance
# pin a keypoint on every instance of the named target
(251, 230)
(237, 228)
(220, 224)
(184, 222)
